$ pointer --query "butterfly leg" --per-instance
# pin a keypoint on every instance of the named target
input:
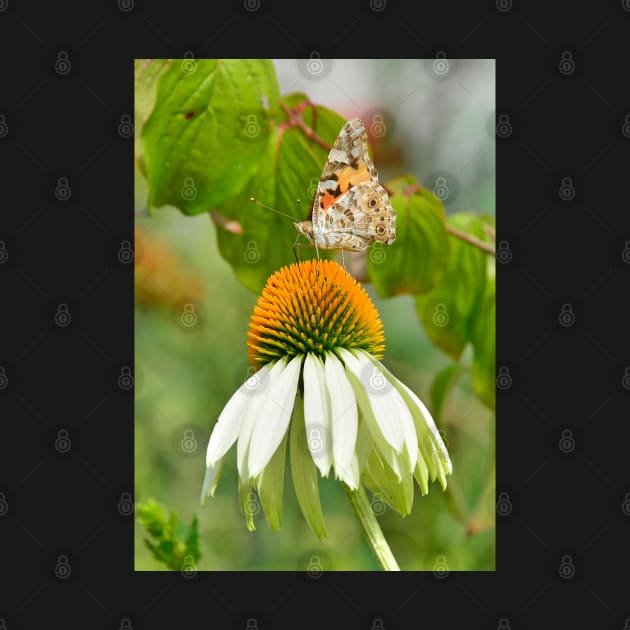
(295, 249)
(343, 261)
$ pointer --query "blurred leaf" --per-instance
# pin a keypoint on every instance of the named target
(483, 516)
(484, 344)
(417, 258)
(170, 540)
(442, 385)
(289, 169)
(455, 501)
(147, 73)
(208, 131)
(448, 311)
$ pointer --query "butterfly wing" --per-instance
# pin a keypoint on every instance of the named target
(365, 211)
(347, 166)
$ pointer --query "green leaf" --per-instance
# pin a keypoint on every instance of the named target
(271, 486)
(304, 473)
(289, 170)
(417, 258)
(484, 344)
(146, 74)
(170, 540)
(442, 385)
(208, 131)
(448, 311)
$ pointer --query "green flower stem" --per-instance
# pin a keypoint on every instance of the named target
(371, 529)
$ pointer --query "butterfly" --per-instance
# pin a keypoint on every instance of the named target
(350, 209)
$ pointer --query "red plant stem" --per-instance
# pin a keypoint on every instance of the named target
(306, 130)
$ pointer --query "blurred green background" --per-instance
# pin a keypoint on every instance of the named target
(436, 127)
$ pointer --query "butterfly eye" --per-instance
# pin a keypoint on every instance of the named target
(372, 203)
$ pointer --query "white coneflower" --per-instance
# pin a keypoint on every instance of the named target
(315, 339)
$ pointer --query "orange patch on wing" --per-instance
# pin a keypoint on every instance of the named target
(346, 178)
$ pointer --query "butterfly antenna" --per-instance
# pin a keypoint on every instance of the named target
(282, 214)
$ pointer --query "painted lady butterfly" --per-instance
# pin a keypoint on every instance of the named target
(351, 209)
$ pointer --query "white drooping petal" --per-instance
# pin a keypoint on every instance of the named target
(438, 442)
(378, 391)
(230, 420)
(274, 416)
(317, 414)
(210, 481)
(393, 405)
(432, 446)
(252, 412)
(344, 420)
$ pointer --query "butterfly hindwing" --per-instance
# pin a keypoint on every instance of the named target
(351, 209)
